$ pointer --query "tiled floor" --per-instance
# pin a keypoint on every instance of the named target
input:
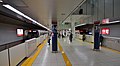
(81, 54)
(47, 58)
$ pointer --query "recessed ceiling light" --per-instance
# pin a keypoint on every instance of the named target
(80, 24)
(1, 1)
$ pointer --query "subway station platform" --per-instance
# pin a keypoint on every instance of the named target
(26, 26)
(79, 54)
(47, 58)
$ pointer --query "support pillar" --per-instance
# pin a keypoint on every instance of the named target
(73, 29)
(96, 35)
(54, 39)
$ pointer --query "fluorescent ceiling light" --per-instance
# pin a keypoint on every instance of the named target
(22, 14)
(1, 1)
(113, 22)
(80, 24)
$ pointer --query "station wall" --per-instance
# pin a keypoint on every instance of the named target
(8, 33)
(102, 9)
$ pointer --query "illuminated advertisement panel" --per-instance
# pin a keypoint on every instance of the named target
(19, 32)
(105, 31)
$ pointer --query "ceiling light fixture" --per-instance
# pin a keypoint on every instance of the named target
(113, 22)
(1, 1)
(20, 13)
(80, 24)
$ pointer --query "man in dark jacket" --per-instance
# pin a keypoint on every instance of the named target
(70, 37)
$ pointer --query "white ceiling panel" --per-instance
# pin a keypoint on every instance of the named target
(46, 11)
(40, 9)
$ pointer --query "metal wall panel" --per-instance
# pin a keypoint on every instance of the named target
(108, 8)
(95, 10)
(101, 10)
(89, 7)
(117, 8)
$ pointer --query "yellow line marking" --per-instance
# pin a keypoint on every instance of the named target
(67, 61)
(111, 49)
(116, 51)
(31, 59)
(107, 48)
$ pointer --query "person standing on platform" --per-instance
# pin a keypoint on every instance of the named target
(70, 37)
(83, 37)
(101, 40)
(49, 35)
(58, 34)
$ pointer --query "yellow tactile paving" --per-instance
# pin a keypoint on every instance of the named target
(31, 59)
(67, 61)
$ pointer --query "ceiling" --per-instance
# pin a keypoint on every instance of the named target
(13, 20)
(46, 11)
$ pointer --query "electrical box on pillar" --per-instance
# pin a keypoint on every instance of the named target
(96, 35)
(54, 39)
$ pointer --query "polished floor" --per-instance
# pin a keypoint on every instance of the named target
(47, 58)
(79, 53)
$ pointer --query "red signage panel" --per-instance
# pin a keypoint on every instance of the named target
(105, 31)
